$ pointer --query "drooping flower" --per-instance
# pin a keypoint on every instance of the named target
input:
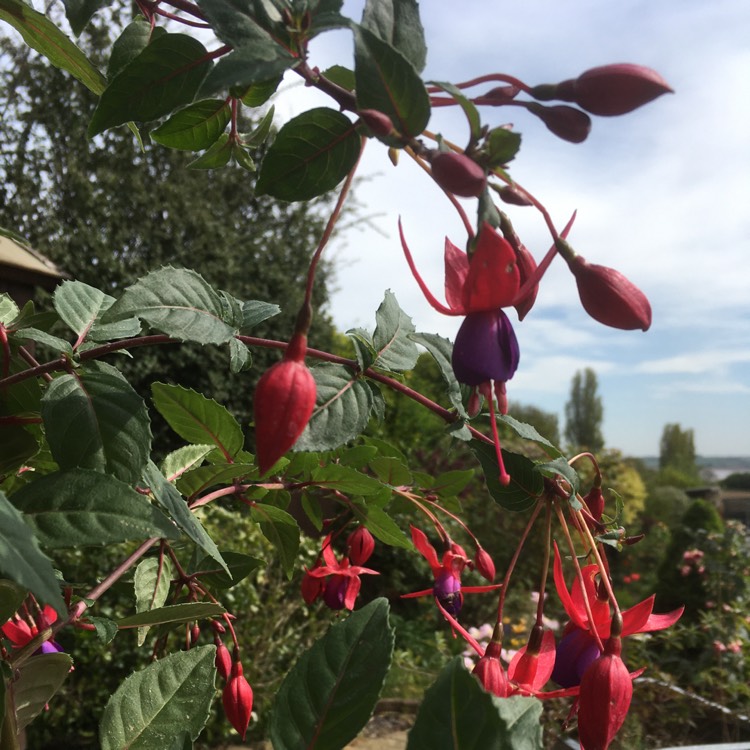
(342, 582)
(447, 588)
(237, 699)
(485, 352)
(19, 632)
(579, 646)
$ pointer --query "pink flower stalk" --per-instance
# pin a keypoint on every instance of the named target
(447, 589)
(342, 580)
(283, 404)
(19, 632)
(485, 352)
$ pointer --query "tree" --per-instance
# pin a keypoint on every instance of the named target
(584, 412)
(56, 190)
(677, 450)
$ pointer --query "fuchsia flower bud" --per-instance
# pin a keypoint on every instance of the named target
(223, 660)
(610, 298)
(567, 123)
(604, 698)
(238, 700)
(612, 90)
(458, 174)
(511, 194)
(489, 671)
(361, 545)
(595, 502)
(484, 564)
(378, 122)
(284, 401)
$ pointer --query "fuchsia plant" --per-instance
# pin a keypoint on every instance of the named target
(55, 492)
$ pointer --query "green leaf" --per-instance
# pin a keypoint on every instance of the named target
(503, 145)
(22, 561)
(38, 680)
(198, 419)
(218, 156)
(381, 525)
(164, 76)
(526, 484)
(151, 583)
(391, 471)
(172, 501)
(451, 483)
(364, 349)
(387, 82)
(242, 158)
(257, 93)
(196, 481)
(441, 350)
(312, 153)
(17, 446)
(281, 530)
(343, 405)
(11, 598)
(457, 714)
(80, 12)
(391, 338)
(8, 308)
(176, 301)
(105, 629)
(560, 467)
(240, 566)
(255, 312)
(131, 42)
(80, 305)
(46, 339)
(178, 462)
(329, 694)
(82, 508)
(397, 22)
(247, 66)
(157, 704)
(43, 36)
(345, 479)
(260, 133)
(195, 127)
(471, 112)
(94, 419)
(341, 76)
(528, 432)
(173, 613)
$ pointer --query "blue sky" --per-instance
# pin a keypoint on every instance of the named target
(662, 195)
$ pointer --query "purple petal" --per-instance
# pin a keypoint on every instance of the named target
(447, 590)
(485, 349)
(575, 652)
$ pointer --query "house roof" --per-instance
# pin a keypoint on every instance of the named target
(22, 258)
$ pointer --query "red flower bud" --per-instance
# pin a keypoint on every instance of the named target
(489, 671)
(458, 174)
(284, 401)
(361, 545)
(238, 700)
(614, 89)
(378, 122)
(567, 123)
(511, 194)
(484, 565)
(607, 296)
(604, 699)
(223, 660)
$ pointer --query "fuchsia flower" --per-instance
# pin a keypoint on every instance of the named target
(237, 698)
(19, 632)
(342, 582)
(579, 648)
(447, 588)
(485, 352)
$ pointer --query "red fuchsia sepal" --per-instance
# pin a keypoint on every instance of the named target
(311, 587)
(283, 404)
(609, 297)
(489, 671)
(604, 698)
(526, 268)
(458, 174)
(19, 632)
(361, 545)
(594, 501)
(531, 667)
(238, 700)
(611, 90)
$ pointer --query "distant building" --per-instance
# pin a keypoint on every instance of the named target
(23, 269)
(735, 505)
